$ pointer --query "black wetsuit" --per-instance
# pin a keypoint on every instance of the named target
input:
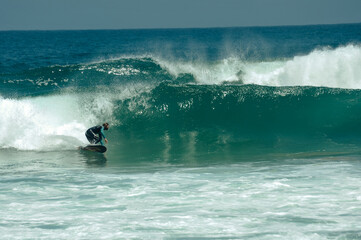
(95, 135)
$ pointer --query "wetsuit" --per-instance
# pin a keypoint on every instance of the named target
(95, 135)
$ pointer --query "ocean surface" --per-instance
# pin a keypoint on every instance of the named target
(224, 133)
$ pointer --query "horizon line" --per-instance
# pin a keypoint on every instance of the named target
(176, 28)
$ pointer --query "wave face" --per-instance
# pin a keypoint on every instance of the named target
(247, 109)
(177, 117)
(213, 95)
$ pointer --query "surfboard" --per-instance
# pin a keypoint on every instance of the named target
(95, 148)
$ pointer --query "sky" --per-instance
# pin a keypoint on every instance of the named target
(139, 14)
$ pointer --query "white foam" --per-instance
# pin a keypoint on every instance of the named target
(42, 123)
(46, 123)
(225, 70)
(339, 68)
(58, 121)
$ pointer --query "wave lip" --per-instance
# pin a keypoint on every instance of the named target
(226, 70)
(336, 68)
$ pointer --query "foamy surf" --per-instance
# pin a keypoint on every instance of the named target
(43, 123)
(336, 68)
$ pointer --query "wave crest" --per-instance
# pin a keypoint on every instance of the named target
(336, 68)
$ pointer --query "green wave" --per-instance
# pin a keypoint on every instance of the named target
(160, 110)
(237, 120)
(245, 108)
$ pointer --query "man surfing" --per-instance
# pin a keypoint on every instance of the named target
(96, 135)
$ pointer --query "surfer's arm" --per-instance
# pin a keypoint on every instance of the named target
(103, 136)
(102, 133)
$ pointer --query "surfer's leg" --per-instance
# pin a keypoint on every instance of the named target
(90, 137)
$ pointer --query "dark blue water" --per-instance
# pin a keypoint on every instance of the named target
(23, 50)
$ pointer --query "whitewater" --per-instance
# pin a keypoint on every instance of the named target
(226, 133)
(337, 68)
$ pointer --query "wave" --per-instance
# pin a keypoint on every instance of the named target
(48, 123)
(208, 117)
(154, 104)
(244, 108)
(336, 68)
(82, 76)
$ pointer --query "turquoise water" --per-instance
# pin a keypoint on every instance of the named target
(227, 133)
(66, 195)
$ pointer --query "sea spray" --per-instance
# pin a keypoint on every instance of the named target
(44, 123)
(336, 68)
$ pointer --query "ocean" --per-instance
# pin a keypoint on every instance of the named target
(218, 133)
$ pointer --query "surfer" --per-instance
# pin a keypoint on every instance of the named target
(96, 134)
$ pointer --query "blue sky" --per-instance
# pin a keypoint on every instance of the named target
(129, 14)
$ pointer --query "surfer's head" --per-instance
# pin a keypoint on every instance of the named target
(106, 126)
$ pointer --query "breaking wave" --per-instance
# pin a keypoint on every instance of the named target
(156, 104)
